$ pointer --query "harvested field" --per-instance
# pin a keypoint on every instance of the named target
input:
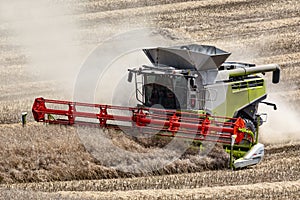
(41, 51)
(274, 190)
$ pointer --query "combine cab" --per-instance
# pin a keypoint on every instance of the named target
(188, 92)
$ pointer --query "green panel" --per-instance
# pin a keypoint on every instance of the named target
(235, 100)
(240, 94)
(257, 92)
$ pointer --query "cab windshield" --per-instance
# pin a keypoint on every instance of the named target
(168, 91)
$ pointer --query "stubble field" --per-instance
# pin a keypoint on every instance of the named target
(41, 49)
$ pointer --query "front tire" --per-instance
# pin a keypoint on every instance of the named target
(250, 126)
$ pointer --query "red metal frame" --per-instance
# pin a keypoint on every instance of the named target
(169, 123)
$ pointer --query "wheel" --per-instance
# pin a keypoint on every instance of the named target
(250, 126)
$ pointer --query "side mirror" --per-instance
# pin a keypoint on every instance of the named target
(129, 79)
(276, 76)
(192, 83)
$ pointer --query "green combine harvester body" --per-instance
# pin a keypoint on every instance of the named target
(187, 92)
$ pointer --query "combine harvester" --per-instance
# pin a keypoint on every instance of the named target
(203, 97)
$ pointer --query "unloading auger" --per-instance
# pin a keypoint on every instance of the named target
(203, 97)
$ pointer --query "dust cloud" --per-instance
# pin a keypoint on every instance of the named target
(45, 32)
(282, 124)
(50, 36)
(103, 75)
